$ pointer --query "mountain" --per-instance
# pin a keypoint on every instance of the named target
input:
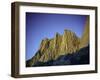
(62, 46)
(51, 49)
(79, 57)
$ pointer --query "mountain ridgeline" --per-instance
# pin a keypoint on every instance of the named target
(66, 49)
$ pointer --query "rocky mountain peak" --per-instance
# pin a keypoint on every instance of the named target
(63, 45)
(51, 49)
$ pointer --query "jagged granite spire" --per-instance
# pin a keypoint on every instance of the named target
(66, 44)
(51, 49)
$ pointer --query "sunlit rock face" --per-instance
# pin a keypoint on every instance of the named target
(66, 44)
(51, 49)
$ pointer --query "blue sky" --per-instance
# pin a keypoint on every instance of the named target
(45, 25)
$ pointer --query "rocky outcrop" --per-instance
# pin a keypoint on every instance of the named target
(66, 44)
(51, 49)
(77, 58)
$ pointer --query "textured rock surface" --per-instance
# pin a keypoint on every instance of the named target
(68, 43)
(51, 49)
(77, 58)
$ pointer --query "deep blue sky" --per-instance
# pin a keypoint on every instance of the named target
(45, 25)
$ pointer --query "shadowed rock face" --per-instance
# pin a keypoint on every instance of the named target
(67, 44)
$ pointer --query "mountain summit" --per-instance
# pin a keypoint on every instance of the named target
(51, 49)
(61, 46)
